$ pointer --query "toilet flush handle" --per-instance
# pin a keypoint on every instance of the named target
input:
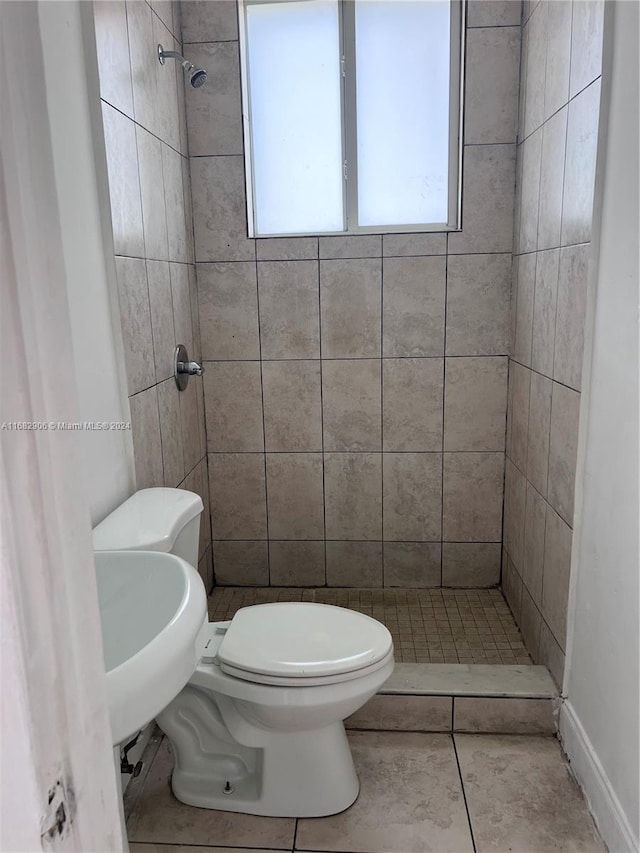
(183, 368)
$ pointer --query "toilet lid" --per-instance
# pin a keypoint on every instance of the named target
(300, 639)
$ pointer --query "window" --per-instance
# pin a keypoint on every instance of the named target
(351, 115)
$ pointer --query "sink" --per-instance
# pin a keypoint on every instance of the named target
(152, 609)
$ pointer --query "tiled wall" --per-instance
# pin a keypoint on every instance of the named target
(559, 108)
(356, 387)
(143, 108)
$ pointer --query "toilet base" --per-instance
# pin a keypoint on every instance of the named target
(289, 774)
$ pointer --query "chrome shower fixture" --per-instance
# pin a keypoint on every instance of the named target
(197, 76)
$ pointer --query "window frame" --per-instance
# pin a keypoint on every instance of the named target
(348, 101)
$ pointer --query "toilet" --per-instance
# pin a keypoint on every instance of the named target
(259, 728)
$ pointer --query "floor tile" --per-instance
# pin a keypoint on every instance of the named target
(158, 817)
(521, 798)
(189, 848)
(410, 800)
(445, 626)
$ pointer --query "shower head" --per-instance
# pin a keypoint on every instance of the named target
(197, 76)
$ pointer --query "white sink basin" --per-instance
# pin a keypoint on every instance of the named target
(152, 609)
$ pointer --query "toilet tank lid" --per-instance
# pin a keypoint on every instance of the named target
(150, 520)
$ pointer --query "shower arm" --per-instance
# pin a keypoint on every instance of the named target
(172, 54)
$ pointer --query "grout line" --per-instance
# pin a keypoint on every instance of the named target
(464, 793)
(382, 447)
(295, 835)
(264, 430)
(324, 490)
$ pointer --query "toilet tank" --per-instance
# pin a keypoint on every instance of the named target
(166, 520)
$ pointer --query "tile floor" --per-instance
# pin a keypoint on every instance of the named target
(427, 625)
(420, 793)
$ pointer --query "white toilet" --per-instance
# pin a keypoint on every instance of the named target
(258, 728)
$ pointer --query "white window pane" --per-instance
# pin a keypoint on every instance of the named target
(294, 89)
(402, 80)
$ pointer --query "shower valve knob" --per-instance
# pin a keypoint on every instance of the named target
(183, 368)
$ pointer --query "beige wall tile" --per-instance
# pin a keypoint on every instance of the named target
(472, 497)
(580, 166)
(192, 426)
(219, 211)
(289, 309)
(203, 20)
(175, 205)
(573, 281)
(401, 245)
(536, 61)
(530, 620)
(147, 444)
(520, 379)
(475, 403)
(296, 563)
(414, 306)
(181, 299)
(513, 789)
(351, 413)
(556, 87)
(171, 433)
(533, 558)
(233, 401)
(587, 28)
(135, 317)
(563, 446)
(143, 72)
(237, 493)
(471, 564)
(228, 298)
(554, 136)
(412, 487)
(390, 812)
(550, 654)
(488, 179)
(514, 513)
(404, 713)
(503, 716)
(512, 586)
(478, 302)
(544, 311)
(530, 192)
(555, 584)
(166, 117)
(539, 421)
(124, 182)
(350, 307)
(354, 564)
(361, 246)
(294, 495)
(152, 192)
(197, 481)
(287, 248)
(241, 563)
(205, 570)
(491, 85)
(493, 13)
(112, 46)
(292, 405)
(526, 280)
(412, 564)
(353, 496)
(412, 398)
(214, 114)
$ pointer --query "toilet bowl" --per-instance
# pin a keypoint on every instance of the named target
(259, 726)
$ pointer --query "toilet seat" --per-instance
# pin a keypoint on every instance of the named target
(302, 644)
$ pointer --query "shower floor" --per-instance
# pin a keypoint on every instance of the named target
(427, 625)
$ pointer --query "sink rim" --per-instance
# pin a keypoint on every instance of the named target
(143, 684)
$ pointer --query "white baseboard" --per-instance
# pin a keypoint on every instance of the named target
(603, 803)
